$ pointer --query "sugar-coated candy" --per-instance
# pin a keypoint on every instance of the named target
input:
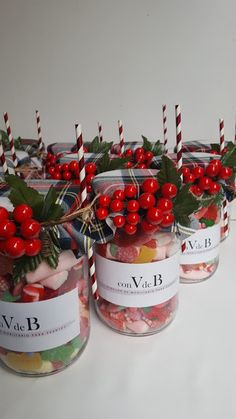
(32, 293)
(55, 281)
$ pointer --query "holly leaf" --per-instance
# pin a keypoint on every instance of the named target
(107, 164)
(229, 158)
(215, 147)
(168, 172)
(22, 194)
(184, 205)
(147, 145)
(4, 135)
(98, 147)
(156, 148)
(51, 210)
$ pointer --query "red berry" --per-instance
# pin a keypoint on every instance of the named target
(53, 159)
(212, 170)
(128, 165)
(15, 247)
(148, 227)
(65, 167)
(104, 200)
(149, 156)
(30, 228)
(22, 212)
(58, 167)
(168, 220)
(119, 221)
(169, 190)
(198, 172)
(133, 218)
(128, 152)
(4, 214)
(165, 205)
(116, 205)
(154, 215)
(214, 188)
(133, 205)
(73, 166)
(119, 194)
(89, 178)
(146, 200)
(225, 173)
(2, 245)
(130, 191)
(91, 168)
(101, 213)
(217, 163)
(204, 183)
(51, 170)
(141, 166)
(89, 188)
(67, 175)
(77, 182)
(150, 185)
(139, 151)
(195, 190)
(214, 152)
(185, 171)
(57, 176)
(140, 158)
(190, 178)
(7, 229)
(33, 247)
(130, 229)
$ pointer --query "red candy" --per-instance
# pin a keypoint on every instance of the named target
(32, 293)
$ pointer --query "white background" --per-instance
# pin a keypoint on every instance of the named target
(89, 60)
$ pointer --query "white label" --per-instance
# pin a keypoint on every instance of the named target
(33, 327)
(138, 284)
(202, 246)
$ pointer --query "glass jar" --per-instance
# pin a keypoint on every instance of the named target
(138, 279)
(200, 245)
(44, 318)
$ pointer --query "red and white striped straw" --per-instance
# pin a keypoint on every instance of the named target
(12, 146)
(165, 128)
(235, 133)
(178, 137)
(100, 136)
(225, 218)
(222, 135)
(3, 158)
(84, 202)
(40, 140)
(121, 136)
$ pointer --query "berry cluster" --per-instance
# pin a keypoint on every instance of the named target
(70, 172)
(139, 158)
(206, 180)
(152, 209)
(19, 236)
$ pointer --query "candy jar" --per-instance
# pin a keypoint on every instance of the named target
(137, 264)
(138, 281)
(44, 295)
(201, 245)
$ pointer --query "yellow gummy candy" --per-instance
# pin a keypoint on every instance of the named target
(24, 362)
(146, 255)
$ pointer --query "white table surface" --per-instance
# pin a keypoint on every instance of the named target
(187, 371)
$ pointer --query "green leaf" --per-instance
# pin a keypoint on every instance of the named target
(51, 210)
(229, 158)
(215, 147)
(147, 145)
(184, 205)
(61, 353)
(99, 147)
(168, 172)
(9, 298)
(22, 194)
(24, 265)
(5, 138)
(106, 163)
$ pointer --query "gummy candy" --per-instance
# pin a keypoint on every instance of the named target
(146, 255)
